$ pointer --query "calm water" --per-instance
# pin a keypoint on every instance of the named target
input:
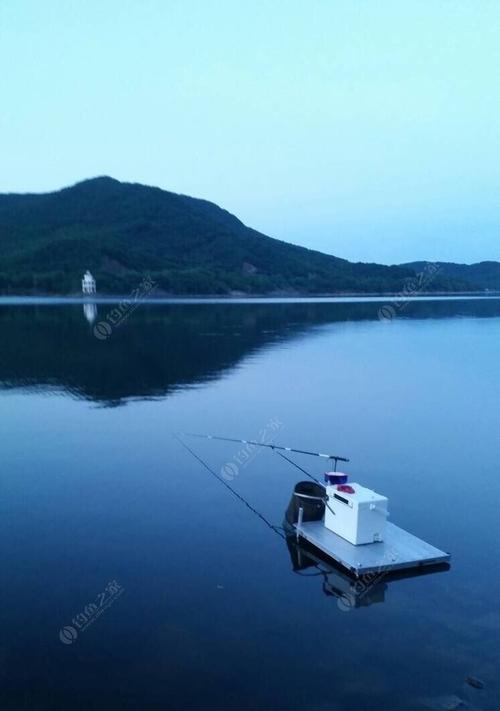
(207, 611)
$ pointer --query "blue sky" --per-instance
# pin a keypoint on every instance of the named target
(368, 129)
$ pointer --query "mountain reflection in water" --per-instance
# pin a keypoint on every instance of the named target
(160, 348)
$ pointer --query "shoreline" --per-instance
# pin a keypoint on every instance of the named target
(242, 298)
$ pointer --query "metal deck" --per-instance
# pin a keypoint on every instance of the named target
(399, 550)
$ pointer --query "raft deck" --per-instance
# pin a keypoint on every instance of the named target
(399, 549)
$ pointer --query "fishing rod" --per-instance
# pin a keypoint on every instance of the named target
(334, 457)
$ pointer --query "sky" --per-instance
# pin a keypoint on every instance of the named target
(368, 129)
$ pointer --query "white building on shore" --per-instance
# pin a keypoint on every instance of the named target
(88, 283)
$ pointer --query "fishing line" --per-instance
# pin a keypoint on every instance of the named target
(294, 464)
(276, 529)
(235, 493)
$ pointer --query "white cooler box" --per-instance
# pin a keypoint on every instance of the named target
(359, 517)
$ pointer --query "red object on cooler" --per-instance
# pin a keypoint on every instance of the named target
(346, 489)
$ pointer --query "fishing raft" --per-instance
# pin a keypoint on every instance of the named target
(346, 521)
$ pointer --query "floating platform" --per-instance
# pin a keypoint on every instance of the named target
(399, 550)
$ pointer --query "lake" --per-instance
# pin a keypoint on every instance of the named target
(134, 578)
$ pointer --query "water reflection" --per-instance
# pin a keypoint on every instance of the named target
(90, 311)
(163, 347)
(210, 602)
(349, 592)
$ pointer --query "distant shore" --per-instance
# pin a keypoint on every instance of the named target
(239, 297)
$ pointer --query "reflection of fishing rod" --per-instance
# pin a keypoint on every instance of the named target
(334, 457)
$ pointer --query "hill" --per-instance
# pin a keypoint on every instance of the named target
(121, 231)
(483, 275)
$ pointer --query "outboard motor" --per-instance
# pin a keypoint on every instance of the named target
(311, 498)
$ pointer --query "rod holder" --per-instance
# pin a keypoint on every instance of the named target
(299, 522)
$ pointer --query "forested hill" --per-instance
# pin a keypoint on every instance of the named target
(122, 231)
(483, 275)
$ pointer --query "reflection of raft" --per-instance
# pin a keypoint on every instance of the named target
(350, 592)
(397, 550)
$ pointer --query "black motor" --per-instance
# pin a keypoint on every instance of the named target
(311, 498)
